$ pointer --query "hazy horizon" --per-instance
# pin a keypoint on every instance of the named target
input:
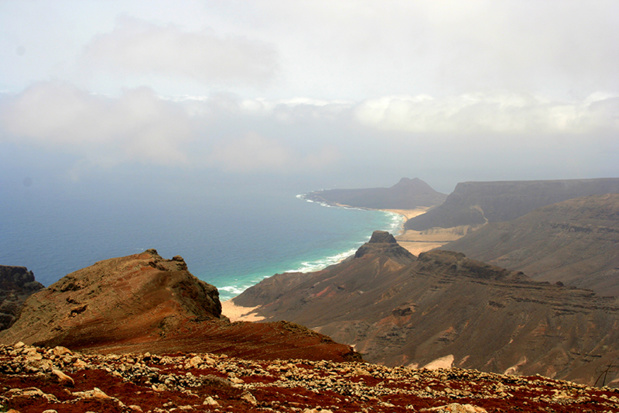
(109, 96)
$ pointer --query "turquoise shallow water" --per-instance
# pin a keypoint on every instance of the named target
(231, 241)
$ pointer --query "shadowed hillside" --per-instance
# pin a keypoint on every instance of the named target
(444, 308)
(574, 241)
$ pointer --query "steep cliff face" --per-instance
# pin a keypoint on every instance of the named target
(406, 194)
(475, 203)
(574, 242)
(16, 284)
(142, 303)
(444, 306)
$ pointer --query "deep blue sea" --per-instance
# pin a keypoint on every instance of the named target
(230, 240)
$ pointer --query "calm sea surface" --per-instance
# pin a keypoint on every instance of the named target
(230, 241)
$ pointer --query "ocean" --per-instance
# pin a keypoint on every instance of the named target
(230, 240)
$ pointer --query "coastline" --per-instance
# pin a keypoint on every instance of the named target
(417, 242)
(239, 313)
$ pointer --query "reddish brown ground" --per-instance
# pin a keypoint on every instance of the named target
(381, 389)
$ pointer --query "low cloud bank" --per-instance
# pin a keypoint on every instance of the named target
(248, 135)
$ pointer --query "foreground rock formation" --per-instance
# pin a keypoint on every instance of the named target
(573, 242)
(406, 194)
(447, 310)
(144, 303)
(59, 380)
(16, 284)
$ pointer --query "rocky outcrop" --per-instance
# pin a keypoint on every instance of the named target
(406, 194)
(16, 284)
(383, 243)
(442, 306)
(144, 302)
(476, 203)
(121, 299)
(573, 242)
(57, 379)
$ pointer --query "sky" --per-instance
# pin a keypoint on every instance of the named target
(314, 94)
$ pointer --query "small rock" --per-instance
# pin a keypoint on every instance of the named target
(209, 401)
(248, 397)
(236, 380)
(61, 351)
(159, 387)
(80, 364)
(194, 362)
(62, 378)
(456, 408)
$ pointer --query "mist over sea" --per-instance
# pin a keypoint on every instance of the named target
(231, 239)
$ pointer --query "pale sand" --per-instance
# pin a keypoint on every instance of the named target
(414, 244)
(445, 362)
(417, 242)
(237, 313)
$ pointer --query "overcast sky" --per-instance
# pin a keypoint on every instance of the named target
(341, 93)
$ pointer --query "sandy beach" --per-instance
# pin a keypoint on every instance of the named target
(237, 313)
(417, 242)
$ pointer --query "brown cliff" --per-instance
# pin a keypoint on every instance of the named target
(398, 309)
(143, 303)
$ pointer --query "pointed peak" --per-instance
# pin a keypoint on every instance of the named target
(381, 237)
(384, 244)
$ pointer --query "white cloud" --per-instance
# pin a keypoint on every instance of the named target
(137, 126)
(140, 48)
(500, 113)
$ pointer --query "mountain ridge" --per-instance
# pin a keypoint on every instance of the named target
(420, 309)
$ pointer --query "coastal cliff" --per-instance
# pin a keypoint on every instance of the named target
(476, 203)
